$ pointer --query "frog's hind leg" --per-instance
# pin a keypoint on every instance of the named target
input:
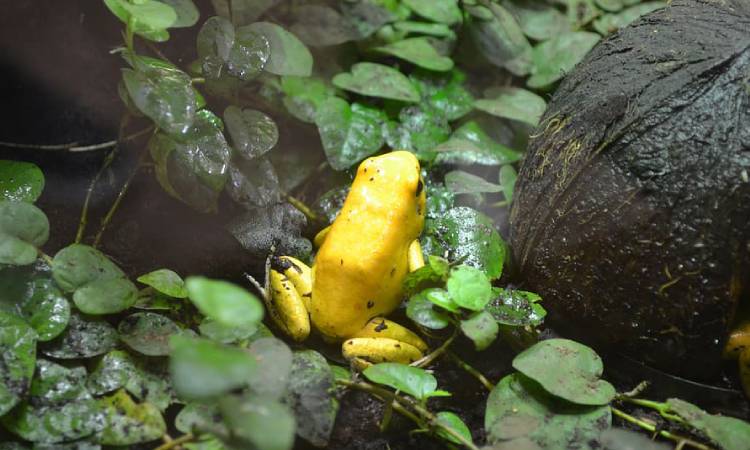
(382, 340)
(738, 346)
(289, 300)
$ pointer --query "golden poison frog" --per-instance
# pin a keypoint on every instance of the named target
(358, 272)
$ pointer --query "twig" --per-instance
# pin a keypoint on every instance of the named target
(184, 439)
(428, 359)
(680, 440)
(73, 146)
(474, 372)
(89, 192)
(636, 391)
(309, 213)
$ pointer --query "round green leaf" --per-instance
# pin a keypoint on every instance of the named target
(54, 384)
(148, 333)
(253, 133)
(83, 338)
(444, 92)
(410, 380)
(420, 130)
(554, 58)
(566, 369)
(258, 422)
(377, 80)
(420, 52)
(249, 55)
(321, 26)
(276, 359)
(187, 13)
(20, 181)
(539, 21)
(164, 95)
(513, 103)
(500, 39)
(730, 433)
(197, 415)
(45, 308)
(422, 311)
(519, 410)
(226, 335)
(516, 308)
(105, 296)
(289, 56)
(17, 357)
(441, 298)
(128, 423)
(224, 302)
(450, 420)
(23, 228)
(77, 265)
(460, 182)
(203, 369)
(309, 397)
(469, 287)
(165, 281)
(149, 18)
(470, 144)
(52, 424)
(304, 96)
(443, 11)
(481, 328)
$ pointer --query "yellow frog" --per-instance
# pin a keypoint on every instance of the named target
(360, 267)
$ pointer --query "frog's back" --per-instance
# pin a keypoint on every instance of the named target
(359, 269)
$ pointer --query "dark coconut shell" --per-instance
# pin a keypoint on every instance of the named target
(632, 207)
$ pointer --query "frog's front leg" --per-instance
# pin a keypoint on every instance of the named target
(289, 301)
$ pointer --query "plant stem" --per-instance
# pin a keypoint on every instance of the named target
(185, 438)
(680, 440)
(428, 359)
(474, 372)
(299, 204)
(661, 408)
(47, 258)
(73, 146)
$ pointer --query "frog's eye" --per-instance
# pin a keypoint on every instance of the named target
(420, 187)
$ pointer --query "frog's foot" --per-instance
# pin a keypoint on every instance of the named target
(414, 256)
(289, 298)
(382, 340)
(738, 347)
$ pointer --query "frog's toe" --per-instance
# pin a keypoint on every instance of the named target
(361, 350)
(287, 308)
(379, 327)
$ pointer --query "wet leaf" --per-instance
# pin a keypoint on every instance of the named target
(461, 182)
(23, 228)
(52, 424)
(249, 55)
(508, 177)
(253, 133)
(83, 338)
(224, 302)
(431, 274)
(566, 369)
(310, 397)
(164, 95)
(20, 181)
(259, 422)
(349, 133)
(470, 144)
(17, 357)
(469, 287)
(149, 17)
(247, 11)
(450, 420)
(609, 23)
(377, 80)
(304, 96)
(165, 281)
(422, 311)
(128, 423)
(274, 356)
(203, 369)
(196, 416)
(276, 226)
(187, 13)
(54, 384)
(554, 58)
(517, 308)
(513, 103)
(500, 40)
(467, 235)
(419, 130)
(519, 410)
(729, 433)
(419, 52)
(148, 333)
(321, 26)
(481, 328)
(98, 285)
(411, 380)
(444, 92)
(289, 56)
(439, 200)
(443, 11)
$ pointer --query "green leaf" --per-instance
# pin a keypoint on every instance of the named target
(461, 182)
(422, 311)
(187, 13)
(321, 26)
(164, 95)
(377, 80)
(20, 181)
(539, 21)
(275, 226)
(517, 308)
(310, 397)
(469, 287)
(251, 53)
(289, 56)
(56, 384)
(429, 275)
(444, 92)
(520, 412)
(513, 103)
(500, 40)
(729, 433)
(150, 18)
(253, 133)
(467, 235)
(420, 130)
(368, 16)
(443, 11)
(148, 333)
(411, 380)
(83, 338)
(303, 96)
(441, 298)
(481, 328)
(258, 422)
(128, 423)
(196, 416)
(349, 133)
(224, 302)
(17, 357)
(242, 53)
(508, 177)
(98, 285)
(439, 30)
(23, 228)
(226, 335)
(470, 144)
(566, 369)
(276, 359)
(450, 420)
(556, 57)
(609, 23)
(52, 424)
(420, 52)
(202, 369)
(165, 281)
